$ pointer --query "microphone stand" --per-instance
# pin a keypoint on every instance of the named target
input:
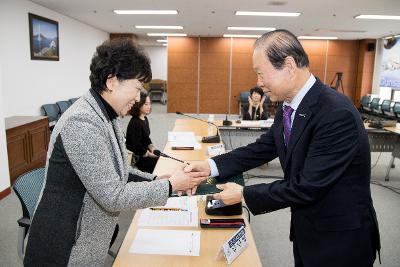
(205, 139)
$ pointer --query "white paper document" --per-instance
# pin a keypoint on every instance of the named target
(255, 124)
(182, 139)
(166, 242)
(185, 202)
(169, 218)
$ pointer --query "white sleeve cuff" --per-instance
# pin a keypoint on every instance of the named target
(213, 167)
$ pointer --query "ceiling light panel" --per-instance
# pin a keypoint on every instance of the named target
(251, 29)
(166, 34)
(159, 27)
(267, 14)
(317, 37)
(242, 35)
(145, 12)
(377, 17)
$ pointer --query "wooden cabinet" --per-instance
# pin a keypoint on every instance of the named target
(27, 143)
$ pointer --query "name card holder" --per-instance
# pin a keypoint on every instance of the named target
(234, 246)
(216, 150)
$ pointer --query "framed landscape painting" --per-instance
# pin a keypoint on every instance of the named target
(43, 37)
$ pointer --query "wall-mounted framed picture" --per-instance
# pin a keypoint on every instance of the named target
(43, 37)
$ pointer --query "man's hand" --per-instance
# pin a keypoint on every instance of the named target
(186, 181)
(201, 166)
(250, 101)
(232, 193)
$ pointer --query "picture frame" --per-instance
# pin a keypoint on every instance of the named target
(43, 38)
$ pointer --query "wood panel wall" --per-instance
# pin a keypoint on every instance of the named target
(225, 69)
(183, 69)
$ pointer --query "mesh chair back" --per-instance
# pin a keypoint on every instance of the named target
(63, 105)
(396, 109)
(72, 100)
(28, 187)
(244, 97)
(52, 111)
(365, 101)
(386, 104)
(375, 103)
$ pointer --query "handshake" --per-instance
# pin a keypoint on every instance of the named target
(187, 177)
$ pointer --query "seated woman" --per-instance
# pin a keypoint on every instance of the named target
(256, 109)
(138, 135)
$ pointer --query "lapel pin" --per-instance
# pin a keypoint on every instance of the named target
(302, 115)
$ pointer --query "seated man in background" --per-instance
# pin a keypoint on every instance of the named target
(256, 109)
(138, 135)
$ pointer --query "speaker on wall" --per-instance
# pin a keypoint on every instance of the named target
(371, 47)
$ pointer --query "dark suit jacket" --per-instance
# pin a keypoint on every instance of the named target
(326, 180)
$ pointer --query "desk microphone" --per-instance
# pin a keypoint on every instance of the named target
(158, 153)
(205, 139)
(226, 122)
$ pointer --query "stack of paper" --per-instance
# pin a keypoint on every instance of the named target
(182, 140)
(166, 242)
(179, 211)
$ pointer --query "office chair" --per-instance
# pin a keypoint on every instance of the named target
(52, 111)
(365, 102)
(27, 187)
(72, 100)
(396, 110)
(375, 106)
(157, 92)
(243, 99)
(385, 107)
(63, 105)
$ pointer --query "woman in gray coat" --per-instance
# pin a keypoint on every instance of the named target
(87, 171)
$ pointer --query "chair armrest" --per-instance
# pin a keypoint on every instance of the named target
(24, 222)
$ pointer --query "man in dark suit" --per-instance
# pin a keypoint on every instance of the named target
(323, 149)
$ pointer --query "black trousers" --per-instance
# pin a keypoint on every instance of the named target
(146, 164)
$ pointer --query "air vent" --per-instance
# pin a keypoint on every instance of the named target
(277, 3)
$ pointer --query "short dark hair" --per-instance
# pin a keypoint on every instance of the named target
(135, 110)
(280, 44)
(121, 58)
(257, 90)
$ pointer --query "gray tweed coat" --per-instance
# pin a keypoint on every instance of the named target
(85, 189)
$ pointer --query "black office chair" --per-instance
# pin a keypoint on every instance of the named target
(63, 105)
(27, 187)
(243, 99)
(52, 111)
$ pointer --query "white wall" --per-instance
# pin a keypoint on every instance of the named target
(158, 56)
(27, 84)
(4, 174)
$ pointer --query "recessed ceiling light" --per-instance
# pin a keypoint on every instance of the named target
(316, 37)
(268, 14)
(145, 12)
(166, 34)
(160, 27)
(162, 41)
(251, 29)
(242, 35)
(377, 17)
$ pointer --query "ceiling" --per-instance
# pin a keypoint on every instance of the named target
(211, 17)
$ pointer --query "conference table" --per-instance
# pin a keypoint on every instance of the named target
(210, 239)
